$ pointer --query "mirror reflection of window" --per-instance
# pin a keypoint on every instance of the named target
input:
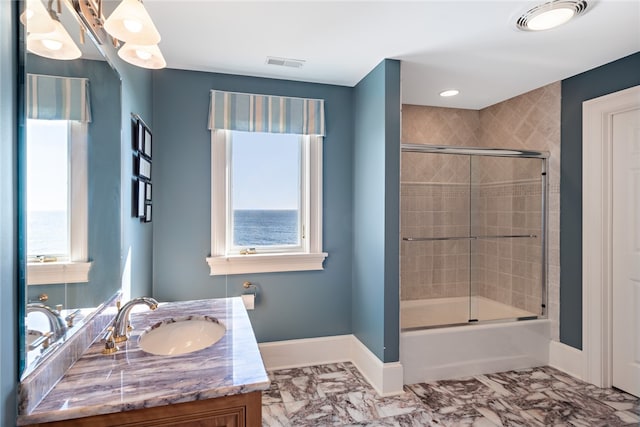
(47, 189)
(56, 164)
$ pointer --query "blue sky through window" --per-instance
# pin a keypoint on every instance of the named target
(47, 187)
(265, 171)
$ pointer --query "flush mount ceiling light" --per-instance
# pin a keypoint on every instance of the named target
(145, 56)
(550, 15)
(448, 93)
(131, 23)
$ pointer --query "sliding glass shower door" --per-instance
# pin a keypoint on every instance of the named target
(473, 235)
(435, 258)
(507, 239)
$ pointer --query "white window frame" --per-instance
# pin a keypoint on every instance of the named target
(75, 269)
(308, 257)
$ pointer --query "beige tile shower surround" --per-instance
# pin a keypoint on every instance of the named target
(435, 201)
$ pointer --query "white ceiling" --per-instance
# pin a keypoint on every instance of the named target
(472, 46)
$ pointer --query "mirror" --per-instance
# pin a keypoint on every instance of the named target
(72, 185)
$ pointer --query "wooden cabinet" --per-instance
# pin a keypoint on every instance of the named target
(230, 411)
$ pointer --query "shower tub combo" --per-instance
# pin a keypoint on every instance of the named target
(473, 261)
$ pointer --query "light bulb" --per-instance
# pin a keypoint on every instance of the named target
(29, 14)
(132, 25)
(52, 44)
(143, 54)
(550, 19)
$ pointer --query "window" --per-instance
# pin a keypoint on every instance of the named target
(56, 202)
(266, 202)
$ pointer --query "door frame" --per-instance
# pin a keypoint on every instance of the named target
(597, 236)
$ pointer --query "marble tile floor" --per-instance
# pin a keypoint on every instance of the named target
(338, 395)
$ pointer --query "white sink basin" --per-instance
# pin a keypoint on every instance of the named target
(181, 335)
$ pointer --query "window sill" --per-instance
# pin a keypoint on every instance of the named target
(265, 263)
(46, 273)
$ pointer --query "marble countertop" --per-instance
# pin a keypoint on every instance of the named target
(133, 379)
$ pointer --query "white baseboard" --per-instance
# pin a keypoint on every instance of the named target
(566, 358)
(306, 352)
(385, 378)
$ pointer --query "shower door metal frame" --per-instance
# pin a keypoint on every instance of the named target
(497, 152)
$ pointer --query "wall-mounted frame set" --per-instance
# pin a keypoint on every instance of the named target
(142, 143)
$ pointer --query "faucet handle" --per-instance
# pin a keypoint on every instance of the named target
(47, 340)
(109, 342)
(71, 317)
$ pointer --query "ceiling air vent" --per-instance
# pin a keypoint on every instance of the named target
(285, 62)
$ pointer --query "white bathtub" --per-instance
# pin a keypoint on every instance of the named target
(459, 351)
(457, 310)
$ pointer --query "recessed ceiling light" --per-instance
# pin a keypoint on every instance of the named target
(450, 92)
(550, 15)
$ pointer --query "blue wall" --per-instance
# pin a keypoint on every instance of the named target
(104, 183)
(136, 254)
(609, 78)
(8, 212)
(291, 305)
(376, 187)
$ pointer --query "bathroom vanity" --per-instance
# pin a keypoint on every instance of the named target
(219, 385)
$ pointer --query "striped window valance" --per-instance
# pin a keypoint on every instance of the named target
(58, 98)
(264, 113)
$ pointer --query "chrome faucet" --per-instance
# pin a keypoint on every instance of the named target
(121, 322)
(56, 323)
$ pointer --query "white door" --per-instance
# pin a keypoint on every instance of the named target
(626, 251)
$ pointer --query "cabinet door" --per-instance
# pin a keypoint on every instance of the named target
(231, 411)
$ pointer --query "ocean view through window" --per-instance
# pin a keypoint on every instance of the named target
(265, 188)
(47, 188)
(253, 228)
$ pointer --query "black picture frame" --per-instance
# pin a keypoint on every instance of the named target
(135, 123)
(140, 136)
(147, 192)
(141, 199)
(146, 151)
(147, 212)
(143, 169)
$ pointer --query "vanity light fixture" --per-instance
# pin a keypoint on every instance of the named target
(131, 23)
(145, 56)
(550, 15)
(448, 93)
(54, 44)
